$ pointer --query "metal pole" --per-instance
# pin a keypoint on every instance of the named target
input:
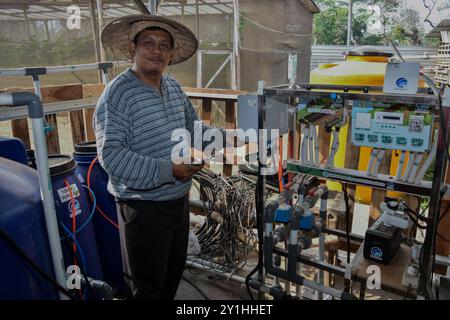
(153, 7)
(260, 187)
(96, 33)
(100, 25)
(35, 112)
(48, 201)
(350, 22)
(199, 69)
(235, 81)
(428, 250)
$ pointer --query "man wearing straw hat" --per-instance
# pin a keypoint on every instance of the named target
(133, 121)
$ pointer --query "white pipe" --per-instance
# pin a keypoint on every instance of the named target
(417, 162)
(305, 139)
(316, 146)
(421, 174)
(401, 164)
(412, 155)
(287, 283)
(380, 157)
(373, 156)
(298, 288)
(321, 288)
(72, 68)
(321, 259)
(210, 268)
(105, 77)
(6, 99)
(12, 72)
(48, 202)
(311, 145)
(37, 88)
(334, 149)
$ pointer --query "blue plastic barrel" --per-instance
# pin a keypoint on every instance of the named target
(62, 170)
(22, 219)
(107, 235)
(13, 149)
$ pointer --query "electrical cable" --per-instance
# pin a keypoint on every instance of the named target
(89, 219)
(33, 264)
(80, 252)
(197, 288)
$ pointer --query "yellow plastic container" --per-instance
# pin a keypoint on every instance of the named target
(365, 67)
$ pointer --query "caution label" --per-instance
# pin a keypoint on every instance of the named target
(64, 194)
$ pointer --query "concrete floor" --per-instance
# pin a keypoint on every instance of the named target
(213, 287)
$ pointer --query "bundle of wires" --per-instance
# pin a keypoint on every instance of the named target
(228, 234)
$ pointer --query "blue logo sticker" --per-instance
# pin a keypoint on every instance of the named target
(376, 253)
(402, 83)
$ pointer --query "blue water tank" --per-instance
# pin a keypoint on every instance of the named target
(13, 149)
(62, 171)
(107, 234)
(22, 219)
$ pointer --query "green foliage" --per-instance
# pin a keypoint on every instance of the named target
(402, 25)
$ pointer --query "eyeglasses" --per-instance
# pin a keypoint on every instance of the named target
(152, 46)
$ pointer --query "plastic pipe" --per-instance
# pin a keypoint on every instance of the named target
(415, 167)
(316, 146)
(334, 149)
(401, 164)
(380, 157)
(421, 174)
(36, 113)
(412, 156)
(311, 145)
(304, 147)
(373, 156)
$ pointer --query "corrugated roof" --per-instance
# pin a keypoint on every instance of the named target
(444, 25)
(311, 6)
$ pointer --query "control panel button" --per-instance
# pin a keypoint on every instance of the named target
(372, 138)
(417, 142)
(401, 141)
(386, 139)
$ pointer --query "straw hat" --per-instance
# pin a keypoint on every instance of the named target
(118, 33)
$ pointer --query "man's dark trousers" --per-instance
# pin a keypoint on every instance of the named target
(154, 239)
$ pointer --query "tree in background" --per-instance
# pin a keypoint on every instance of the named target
(399, 23)
(408, 29)
(330, 25)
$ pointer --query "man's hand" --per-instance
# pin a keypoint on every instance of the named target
(184, 172)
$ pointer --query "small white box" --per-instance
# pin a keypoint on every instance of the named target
(402, 78)
(363, 120)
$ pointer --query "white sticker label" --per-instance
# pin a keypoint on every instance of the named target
(64, 194)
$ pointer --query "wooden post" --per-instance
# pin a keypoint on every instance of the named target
(52, 138)
(20, 130)
(206, 110)
(89, 91)
(77, 126)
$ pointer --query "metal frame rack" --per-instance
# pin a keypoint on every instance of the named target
(440, 104)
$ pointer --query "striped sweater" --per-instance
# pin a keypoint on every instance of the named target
(133, 125)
